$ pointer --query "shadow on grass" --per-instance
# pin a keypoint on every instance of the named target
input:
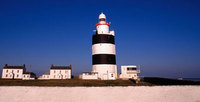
(167, 81)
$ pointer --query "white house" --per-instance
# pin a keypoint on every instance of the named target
(57, 72)
(17, 72)
(13, 72)
(28, 76)
(129, 72)
(60, 72)
(89, 76)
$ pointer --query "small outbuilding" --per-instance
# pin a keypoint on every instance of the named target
(45, 76)
(29, 76)
(89, 76)
(129, 72)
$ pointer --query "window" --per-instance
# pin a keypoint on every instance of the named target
(6, 75)
(54, 76)
(6, 71)
(17, 71)
(131, 68)
(111, 75)
(24, 76)
(47, 76)
(17, 75)
(102, 19)
(54, 71)
(12, 71)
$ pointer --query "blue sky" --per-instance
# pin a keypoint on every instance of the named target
(163, 36)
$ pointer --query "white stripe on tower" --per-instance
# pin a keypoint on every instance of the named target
(103, 48)
(103, 51)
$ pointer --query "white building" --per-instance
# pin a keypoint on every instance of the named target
(17, 72)
(28, 76)
(129, 72)
(60, 72)
(13, 72)
(89, 76)
(45, 76)
(57, 72)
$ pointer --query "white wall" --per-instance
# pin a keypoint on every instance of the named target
(27, 77)
(101, 94)
(90, 76)
(104, 70)
(44, 77)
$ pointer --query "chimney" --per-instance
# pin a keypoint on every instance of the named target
(51, 65)
(70, 66)
(6, 65)
(24, 65)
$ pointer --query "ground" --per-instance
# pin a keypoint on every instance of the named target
(72, 82)
(147, 81)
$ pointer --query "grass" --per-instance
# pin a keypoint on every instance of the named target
(147, 81)
(169, 81)
(71, 83)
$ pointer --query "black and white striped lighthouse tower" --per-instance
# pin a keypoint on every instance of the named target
(103, 50)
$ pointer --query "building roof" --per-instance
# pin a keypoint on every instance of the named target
(102, 16)
(129, 66)
(47, 73)
(29, 73)
(14, 67)
(91, 72)
(61, 67)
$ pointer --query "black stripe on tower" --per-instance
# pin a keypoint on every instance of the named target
(103, 38)
(103, 59)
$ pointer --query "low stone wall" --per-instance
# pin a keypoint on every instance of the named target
(100, 94)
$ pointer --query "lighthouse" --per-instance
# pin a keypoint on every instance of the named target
(103, 51)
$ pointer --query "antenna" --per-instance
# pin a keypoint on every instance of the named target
(30, 68)
(139, 68)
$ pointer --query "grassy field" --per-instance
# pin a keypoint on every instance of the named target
(72, 82)
(169, 81)
(147, 81)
